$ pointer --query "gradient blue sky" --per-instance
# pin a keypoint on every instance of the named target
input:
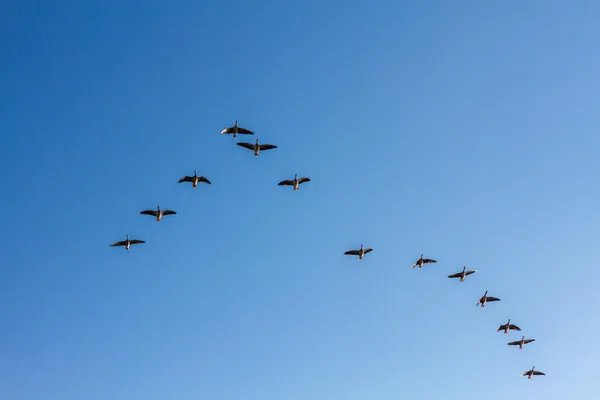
(465, 130)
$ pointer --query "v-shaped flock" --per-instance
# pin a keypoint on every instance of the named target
(361, 253)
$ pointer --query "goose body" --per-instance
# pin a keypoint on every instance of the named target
(235, 130)
(419, 263)
(127, 242)
(194, 179)
(462, 275)
(521, 342)
(294, 182)
(256, 147)
(485, 298)
(508, 326)
(360, 253)
(531, 373)
(158, 213)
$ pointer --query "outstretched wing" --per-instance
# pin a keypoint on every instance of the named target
(168, 212)
(303, 179)
(203, 179)
(186, 179)
(470, 272)
(286, 183)
(514, 327)
(122, 243)
(149, 212)
(351, 252)
(267, 146)
(456, 275)
(228, 130)
(528, 341)
(428, 261)
(248, 146)
(501, 328)
(368, 250)
(245, 131)
(538, 373)
(136, 241)
(493, 299)
(515, 343)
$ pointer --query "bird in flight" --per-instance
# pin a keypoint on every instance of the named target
(485, 298)
(521, 342)
(294, 182)
(422, 261)
(360, 253)
(127, 242)
(256, 147)
(508, 326)
(531, 373)
(462, 275)
(158, 213)
(194, 179)
(235, 130)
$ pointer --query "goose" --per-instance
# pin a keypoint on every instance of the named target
(532, 372)
(508, 326)
(194, 179)
(485, 299)
(462, 275)
(360, 253)
(158, 213)
(235, 130)
(256, 147)
(521, 342)
(294, 182)
(422, 261)
(126, 242)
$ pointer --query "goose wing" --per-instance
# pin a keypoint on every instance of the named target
(245, 131)
(538, 373)
(456, 275)
(287, 182)
(501, 327)
(351, 252)
(492, 298)
(186, 179)
(514, 327)
(368, 250)
(149, 212)
(136, 241)
(203, 179)
(168, 212)
(121, 243)
(515, 343)
(428, 261)
(248, 146)
(416, 263)
(472, 271)
(267, 146)
(528, 341)
(303, 179)
(231, 129)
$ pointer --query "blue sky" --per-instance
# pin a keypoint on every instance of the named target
(467, 131)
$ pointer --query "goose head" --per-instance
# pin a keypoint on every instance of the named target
(194, 171)
(236, 122)
(295, 176)
(257, 141)
(158, 208)
(465, 267)
(485, 294)
(127, 237)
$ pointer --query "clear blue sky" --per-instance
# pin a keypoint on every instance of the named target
(467, 131)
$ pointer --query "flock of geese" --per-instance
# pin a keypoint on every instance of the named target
(361, 252)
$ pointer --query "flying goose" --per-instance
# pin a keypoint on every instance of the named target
(235, 130)
(256, 147)
(194, 179)
(126, 242)
(485, 299)
(521, 342)
(360, 253)
(507, 326)
(462, 275)
(422, 261)
(294, 182)
(158, 213)
(532, 372)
